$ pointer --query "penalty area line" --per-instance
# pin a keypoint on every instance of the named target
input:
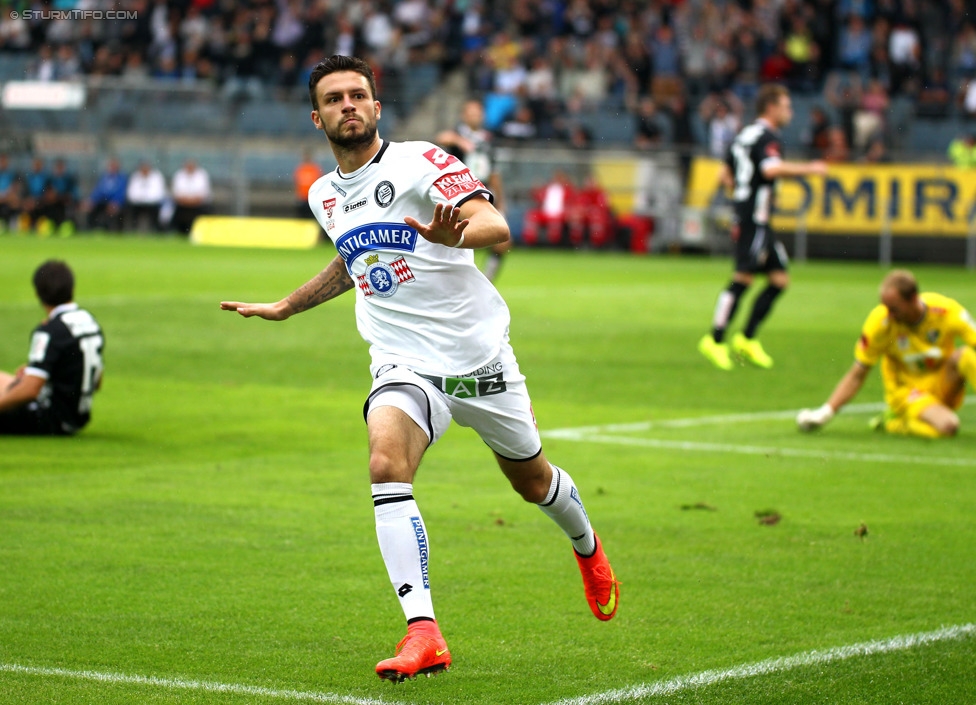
(573, 433)
(771, 451)
(773, 665)
(185, 684)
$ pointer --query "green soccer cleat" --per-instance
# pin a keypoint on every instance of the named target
(751, 351)
(716, 353)
(879, 423)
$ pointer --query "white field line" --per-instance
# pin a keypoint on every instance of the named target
(632, 693)
(696, 421)
(773, 451)
(770, 666)
(183, 684)
(603, 434)
(574, 433)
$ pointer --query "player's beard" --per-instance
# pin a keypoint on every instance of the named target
(354, 140)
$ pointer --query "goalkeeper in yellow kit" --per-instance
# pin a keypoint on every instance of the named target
(914, 335)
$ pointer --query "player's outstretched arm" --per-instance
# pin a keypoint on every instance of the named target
(475, 224)
(848, 387)
(327, 284)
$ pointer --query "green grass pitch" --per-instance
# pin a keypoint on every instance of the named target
(212, 528)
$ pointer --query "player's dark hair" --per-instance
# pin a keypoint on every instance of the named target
(902, 281)
(769, 94)
(335, 63)
(54, 283)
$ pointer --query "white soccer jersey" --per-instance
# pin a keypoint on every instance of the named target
(418, 304)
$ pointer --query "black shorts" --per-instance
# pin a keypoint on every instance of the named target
(28, 420)
(757, 250)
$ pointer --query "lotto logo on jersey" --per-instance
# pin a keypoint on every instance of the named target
(440, 158)
(454, 185)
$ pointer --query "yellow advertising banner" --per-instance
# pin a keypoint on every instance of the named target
(862, 199)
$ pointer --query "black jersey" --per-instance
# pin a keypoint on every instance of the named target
(755, 145)
(66, 350)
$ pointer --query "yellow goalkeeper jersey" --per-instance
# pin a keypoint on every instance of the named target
(912, 355)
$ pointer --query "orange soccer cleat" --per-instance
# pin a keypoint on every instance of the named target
(600, 584)
(422, 651)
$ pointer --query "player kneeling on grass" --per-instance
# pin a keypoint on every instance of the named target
(914, 336)
(439, 342)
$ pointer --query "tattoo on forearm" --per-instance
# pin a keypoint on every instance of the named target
(327, 284)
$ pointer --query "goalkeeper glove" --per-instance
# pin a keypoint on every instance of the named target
(812, 419)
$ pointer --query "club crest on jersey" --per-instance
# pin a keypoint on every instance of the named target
(384, 194)
(329, 205)
(439, 158)
(454, 185)
(382, 279)
(933, 336)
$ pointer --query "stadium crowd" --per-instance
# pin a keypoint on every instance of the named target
(47, 201)
(539, 64)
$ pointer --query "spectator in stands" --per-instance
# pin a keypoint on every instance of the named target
(905, 50)
(521, 126)
(967, 99)
(589, 217)
(44, 67)
(804, 55)
(838, 149)
(666, 60)
(844, 93)
(145, 195)
(192, 195)
(747, 66)
(935, 97)
(695, 56)
(854, 47)
(776, 67)
(871, 115)
(876, 152)
(962, 151)
(11, 189)
(722, 64)
(60, 201)
(721, 114)
(648, 131)
(104, 206)
(305, 174)
(553, 202)
(35, 184)
(962, 60)
(815, 134)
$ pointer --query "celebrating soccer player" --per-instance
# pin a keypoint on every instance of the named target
(438, 332)
(754, 161)
(914, 336)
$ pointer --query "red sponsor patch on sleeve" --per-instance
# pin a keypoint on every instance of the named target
(773, 149)
(329, 204)
(863, 342)
(457, 184)
(439, 158)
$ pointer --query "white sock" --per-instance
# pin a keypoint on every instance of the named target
(403, 543)
(564, 506)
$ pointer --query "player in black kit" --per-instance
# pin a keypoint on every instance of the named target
(754, 161)
(52, 393)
